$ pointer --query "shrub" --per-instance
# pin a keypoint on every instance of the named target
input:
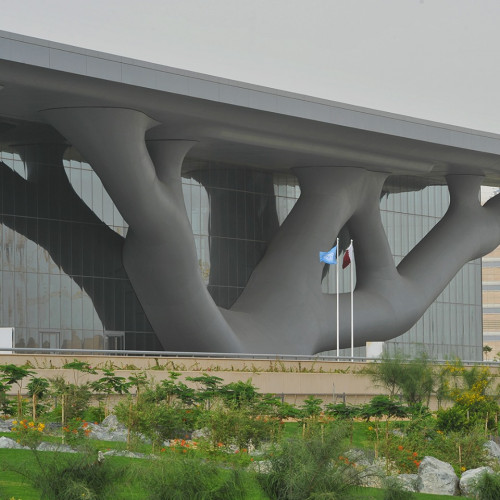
(452, 419)
(28, 433)
(312, 468)
(488, 487)
(72, 476)
(394, 490)
(237, 426)
(180, 478)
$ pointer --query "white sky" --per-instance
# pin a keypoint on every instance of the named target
(433, 59)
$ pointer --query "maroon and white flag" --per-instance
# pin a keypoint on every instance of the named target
(348, 257)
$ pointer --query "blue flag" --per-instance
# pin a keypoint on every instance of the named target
(329, 257)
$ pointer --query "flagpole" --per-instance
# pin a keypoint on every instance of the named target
(352, 310)
(338, 294)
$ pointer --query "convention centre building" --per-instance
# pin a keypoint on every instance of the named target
(144, 207)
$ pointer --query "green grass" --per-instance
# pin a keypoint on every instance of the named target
(376, 494)
(13, 484)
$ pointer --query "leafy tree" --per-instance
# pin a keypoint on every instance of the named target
(344, 412)
(473, 395)
(312, 468)
(37, 388)
(387, 372)
(417, 381)
(13, 374)
(109, 384)
(413, 378)
(486, 350)
(239, 394)
(211, 387)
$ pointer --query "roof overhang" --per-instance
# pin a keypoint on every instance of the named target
(232, 121)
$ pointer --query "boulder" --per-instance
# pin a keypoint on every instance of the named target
(5, 425)
(408, 481)
(261, 467)
(470, 478)
(436, 477)
(55, 447)
(111, 423)
(124, 453)
(109, 430)
(492, 449)
(10, 444)
(200, 434)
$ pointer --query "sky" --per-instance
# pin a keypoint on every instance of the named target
(432, 59)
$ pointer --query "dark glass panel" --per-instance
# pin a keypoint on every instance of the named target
(119, 304)
(55, 301)
(31, 246)
(32, 300)
(241, 216)
(8, 257)
(250, 216)
(130, 322)
(76, 249)
(8, 190)
(109, 304)
(76, 306)
(98, 303)
(66, 260)
(233, 294)
(87, 304)
(65, 301)
(20, 243)
(54, 246)
(241, 248)
(43, 241)
(43, 301)
(230, 215)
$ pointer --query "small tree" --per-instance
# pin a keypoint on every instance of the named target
(109, 384)
(387, 372)
(486, 350)
(413, 378)
(37, 388)
(12, 374)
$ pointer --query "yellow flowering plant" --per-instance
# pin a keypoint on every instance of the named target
(28, 433)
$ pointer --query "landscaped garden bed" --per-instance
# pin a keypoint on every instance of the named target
(211, 440)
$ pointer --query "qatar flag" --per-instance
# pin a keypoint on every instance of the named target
(348, 257)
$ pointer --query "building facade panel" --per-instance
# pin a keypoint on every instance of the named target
(63, 282)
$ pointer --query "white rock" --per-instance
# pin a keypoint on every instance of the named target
(111, 423)
(261, 467)
(436, 477)
(55, 447)
(10, 444)
(200, 434)
(124, 453)
(408, 481)
(492, 449)
(470, 478)
(5, 425)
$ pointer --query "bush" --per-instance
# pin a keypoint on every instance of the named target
(72, 476)
(488, 487)
(394, 490)
(181, 478)
(312, 468)
(233, 426)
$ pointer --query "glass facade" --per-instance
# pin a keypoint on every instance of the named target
(62, 282)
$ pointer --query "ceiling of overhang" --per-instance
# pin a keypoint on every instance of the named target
(227, 133)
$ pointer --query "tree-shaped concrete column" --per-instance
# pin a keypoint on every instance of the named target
(282, 308)
(159, 252)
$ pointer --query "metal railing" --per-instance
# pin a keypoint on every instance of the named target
(215, 355)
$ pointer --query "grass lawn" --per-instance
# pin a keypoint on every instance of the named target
(131, 487)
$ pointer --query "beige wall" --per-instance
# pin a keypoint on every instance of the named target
(295, 380)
